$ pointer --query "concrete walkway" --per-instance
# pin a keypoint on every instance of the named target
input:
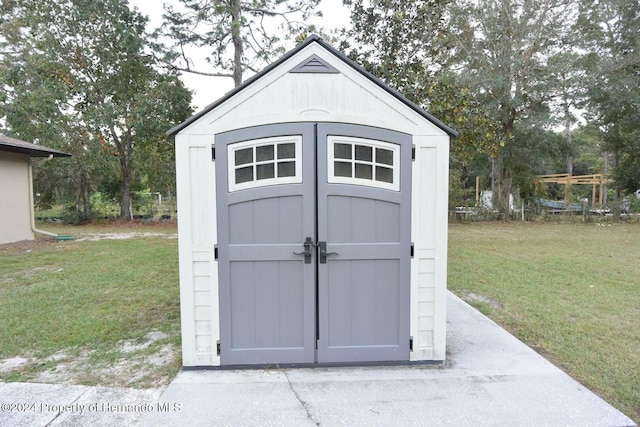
(490, 379)
(40, 405)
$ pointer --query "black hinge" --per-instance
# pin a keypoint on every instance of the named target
(413, 152)
(213, 153)
(412, 246)
(218, 347)
(215, 252)
(410, 343)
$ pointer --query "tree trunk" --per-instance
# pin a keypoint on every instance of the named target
(494, 181)
(567, 134)
(84, 195)
(237, 42)
(125, 189)
(605, 171)
(568, 191)
(505, 194)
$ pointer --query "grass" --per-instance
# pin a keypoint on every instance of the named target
(86, 297)
(570, 291)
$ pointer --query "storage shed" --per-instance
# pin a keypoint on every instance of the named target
(312, 218)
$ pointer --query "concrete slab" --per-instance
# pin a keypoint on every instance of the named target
(33, 405)
(490, 379)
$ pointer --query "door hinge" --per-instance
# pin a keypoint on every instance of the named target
(215, 252)
(410, 343)
(218, 347)
(213, 153)
(413, 152)
(412, 249)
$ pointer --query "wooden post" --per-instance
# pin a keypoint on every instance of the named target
(601, 190)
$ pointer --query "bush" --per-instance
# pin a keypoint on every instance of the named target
(102, 206)
(144, 203)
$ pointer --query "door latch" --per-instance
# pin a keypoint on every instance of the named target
(308, 250)
(323, 252)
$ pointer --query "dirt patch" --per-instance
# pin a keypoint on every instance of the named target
(27, 246)
(149, 362)
(123, 236)
(472, 297)
(8, 365)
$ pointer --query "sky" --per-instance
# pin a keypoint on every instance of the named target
(209, 89)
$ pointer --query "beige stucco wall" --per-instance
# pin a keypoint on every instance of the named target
(15, 203)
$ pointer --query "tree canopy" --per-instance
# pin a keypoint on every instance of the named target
(515, 77)
(239, 36)
(78, 76)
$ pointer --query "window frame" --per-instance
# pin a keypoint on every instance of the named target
(332, 140)
(261, 142)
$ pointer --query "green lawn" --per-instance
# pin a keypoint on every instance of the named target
(89, 300)
(571, 292)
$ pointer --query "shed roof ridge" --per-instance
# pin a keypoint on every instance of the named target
(314, 38)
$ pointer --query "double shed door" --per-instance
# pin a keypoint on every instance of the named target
(314, 244)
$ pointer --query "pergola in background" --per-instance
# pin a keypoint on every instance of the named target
(597, 180)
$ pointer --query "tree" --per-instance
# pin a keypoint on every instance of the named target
(612, 40)
(502, 48)
(564, 68)
(242, 35)
(81, 76)
(407, 44)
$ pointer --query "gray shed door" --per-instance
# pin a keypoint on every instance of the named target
(313, 243)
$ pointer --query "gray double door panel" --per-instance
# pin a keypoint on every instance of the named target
(280, 305)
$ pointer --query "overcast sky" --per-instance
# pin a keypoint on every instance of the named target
(209, 89)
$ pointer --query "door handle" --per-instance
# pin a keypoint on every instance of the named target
(323, 252)
(308, 250)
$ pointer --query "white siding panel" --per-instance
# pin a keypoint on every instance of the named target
(427, 262)
(201, 283)
(203, 346)
(441, 239)
(425, 323)
(202, 313)
(425, 293)
(429, 267)
(203, 328)
(198, 195)
(427, 197)
(426, 348)
(201, 269)
(185, 257)
(202, 256)
(426, 280)
(312, 97)
(196, 226)
(425, 309)
(202, 298)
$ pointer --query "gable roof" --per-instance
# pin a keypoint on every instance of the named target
(344, 58)
(13, 145)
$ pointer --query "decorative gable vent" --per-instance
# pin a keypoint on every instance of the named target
(315, 64)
